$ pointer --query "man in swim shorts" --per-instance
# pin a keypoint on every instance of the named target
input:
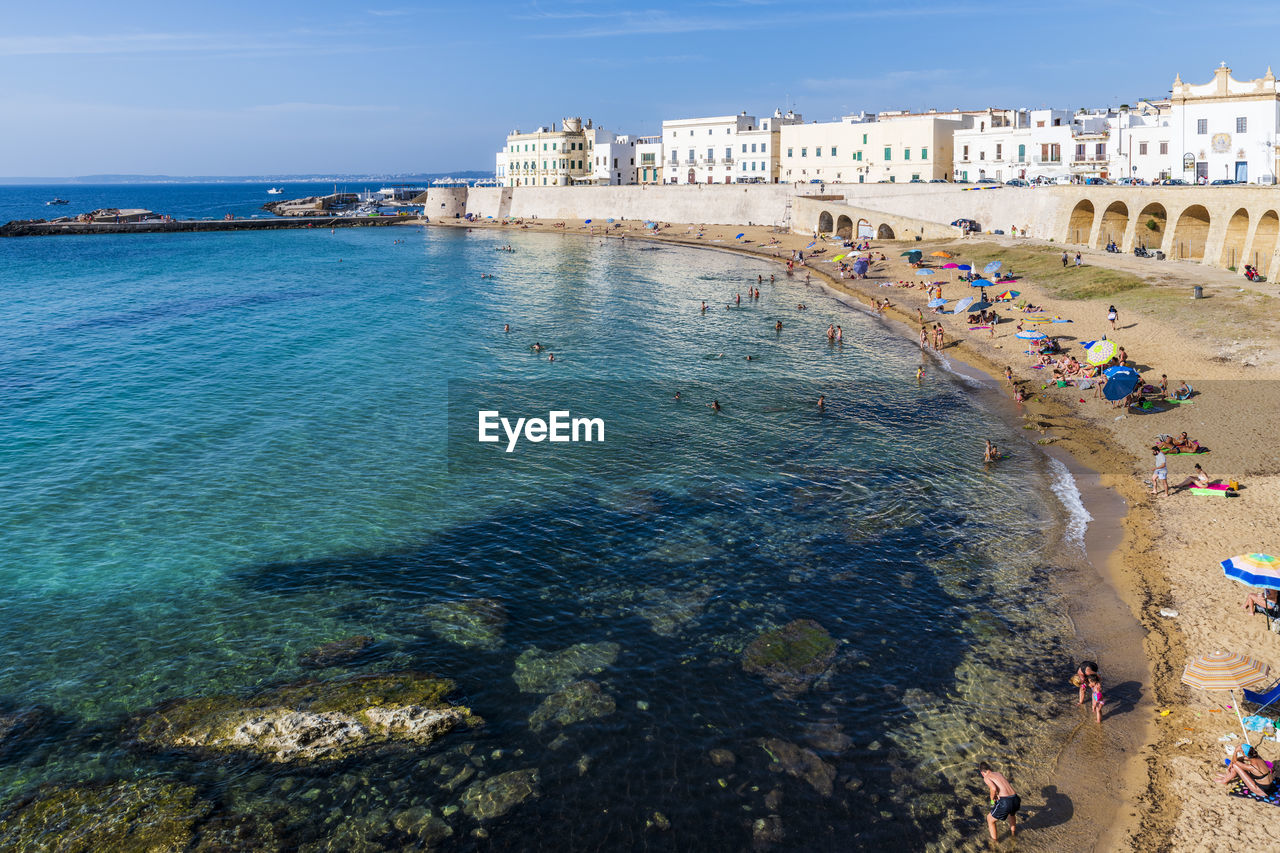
(1005, 801)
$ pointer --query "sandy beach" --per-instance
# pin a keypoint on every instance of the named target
(1167, 559)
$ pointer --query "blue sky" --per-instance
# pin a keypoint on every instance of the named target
(278, 86)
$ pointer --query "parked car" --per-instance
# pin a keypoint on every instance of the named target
(915, 181)
(1016, 182)
(937, 180)
(986, 181)
(1223, 182)
(1097, 182)
(1174, 182)
(1132, 182)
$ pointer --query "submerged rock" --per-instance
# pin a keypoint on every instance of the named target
(791, 657)
(581, 700)
(800, 763)
(309, 720)
(21, 729)
(497, 795)
(470, 622)
(668, 612)
(146, 815)
(543, 672)
(336, 652)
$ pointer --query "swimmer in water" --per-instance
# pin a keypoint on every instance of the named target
(714, 405)
(822, 401)
(777, 327)
(748, 358)
(739, 301)
(506, 327)
(920, 373)
(704, 308)
(551, 356)
(536, 347)
(992, 453)
(839, 335)
(831, 333)
(677, 395)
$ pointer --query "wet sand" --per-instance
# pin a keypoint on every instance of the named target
(1147, 785)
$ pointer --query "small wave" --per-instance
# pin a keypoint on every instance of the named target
(1064, 486)
(965, 378)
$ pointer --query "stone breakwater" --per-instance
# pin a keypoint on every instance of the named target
(40, 228)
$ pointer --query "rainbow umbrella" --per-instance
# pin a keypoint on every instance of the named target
(1254, 569)
(1100, 353)
(1009, 295)
(1224, 671)
(924, 272)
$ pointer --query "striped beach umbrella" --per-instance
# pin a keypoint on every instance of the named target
(1100, 353)
(1254, 569)
(1009, 295)
(937, 303)
(1224, 671)
(1031, 335)
(994, 266)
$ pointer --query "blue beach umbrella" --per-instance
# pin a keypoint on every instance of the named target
(937, 303)
(1120, 382)
(1261, 570)
(860, 266)
(962, 304)
(811, 245)
(740, 236)
(964, 267)
(924, 272)
(980, 305)
(586, 222)
(994, 266)
(1032, 335)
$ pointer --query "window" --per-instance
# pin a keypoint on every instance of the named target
(544, 146)
(711, 154)
(764, 146)
(1164, 148)
(833, 151)
(1242, 125)
(744, 148)
(804, 152)
(675, 156)
(924, 153)
(728, 152)
(817, 152)
(915, 176)
(999, 150)
(906, 153)
(1202, 126)
(673, 134)
(982, 155)
(864, 139)
(888, 153)
(708, 131)
(789, 152)
(1040, 124)
(857, 155)
(1142, 148)
(1080, 152)
(1057, 122)
(965, 155)
(1100, 151)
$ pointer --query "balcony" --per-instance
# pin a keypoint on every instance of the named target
(728, 161)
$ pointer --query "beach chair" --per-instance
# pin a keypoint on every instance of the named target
(1263, 699)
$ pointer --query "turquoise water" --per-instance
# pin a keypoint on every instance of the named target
(222, 450)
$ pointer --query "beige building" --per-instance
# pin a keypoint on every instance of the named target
(547, 157)
(892, 147)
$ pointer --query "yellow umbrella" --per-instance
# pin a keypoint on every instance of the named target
(838, 258)
(1224, 671)
(1100, 353)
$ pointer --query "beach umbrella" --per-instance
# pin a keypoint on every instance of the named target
(937, 303)
(994, 266)
(909, 253)
(962, 304)
(586, 222)
(1120, 382)
(964, 268)
(1254, 569)
(941, 254)
(979, 282)
(740, 236)
(1224, 671)
(924, 272)
(839, 257)
(1009, 295)
(950, 266)
(915, 255)
(1100, 353)
(860, 266)
(1032, 335)
(811, 245)
(980, 305)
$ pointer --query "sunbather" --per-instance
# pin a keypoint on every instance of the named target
(1198, 480)
(1183, 392)
(1249, 768)
(1182, 444)
(1264, 599)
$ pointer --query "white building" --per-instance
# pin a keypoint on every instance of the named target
(649, 160)
(891, 147)
(1226, 128)
(1140, 143)
(611, 158)
(723, 149)
(546, 157)
(1022, 144)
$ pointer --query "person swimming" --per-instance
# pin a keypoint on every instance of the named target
(777, 327)
(822, 401)
(506, 327)
(714, 405)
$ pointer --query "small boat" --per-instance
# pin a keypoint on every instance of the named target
(58, 201)
(275, 191)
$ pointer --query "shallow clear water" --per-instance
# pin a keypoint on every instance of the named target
(221, 450)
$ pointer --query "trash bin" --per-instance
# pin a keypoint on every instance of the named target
(1197, 292)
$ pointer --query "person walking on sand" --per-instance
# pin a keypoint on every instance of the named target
(924, 336)
(1095, 687)
(1005, 801)
(1159, 474)
(1111, 317)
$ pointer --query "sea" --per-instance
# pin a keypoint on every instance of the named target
(221, 451)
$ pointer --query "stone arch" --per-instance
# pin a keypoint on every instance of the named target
(1151, 224)
(1233, 242)
(865, 231)
(844, 227)
(884, 232)
(1190, 233)
(1115, 220)
(824, 223)
(1264, 242)
(1081, 222)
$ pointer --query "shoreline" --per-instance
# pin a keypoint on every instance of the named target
(1109, 543)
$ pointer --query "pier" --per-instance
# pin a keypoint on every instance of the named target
(38, 228)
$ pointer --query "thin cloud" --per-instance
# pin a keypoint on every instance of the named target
(126, 43)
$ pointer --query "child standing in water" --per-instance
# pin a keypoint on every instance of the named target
(1095, 687)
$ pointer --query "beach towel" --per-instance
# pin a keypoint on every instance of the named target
(1215, 493)
(975, 328)
(1239, 790)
